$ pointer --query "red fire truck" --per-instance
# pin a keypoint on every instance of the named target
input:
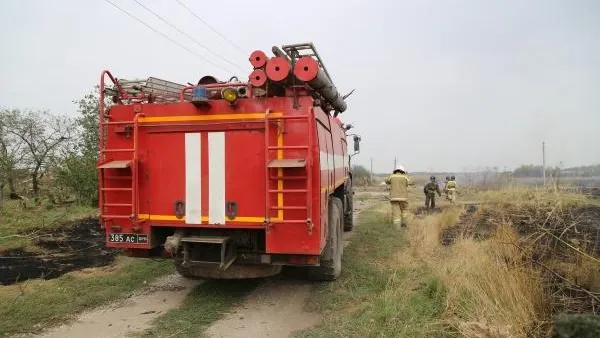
(231, 179)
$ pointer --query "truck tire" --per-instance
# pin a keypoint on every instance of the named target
(349, 210)
(331, 259)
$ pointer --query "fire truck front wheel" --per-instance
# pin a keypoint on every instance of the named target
(331, 259)
(349, 210)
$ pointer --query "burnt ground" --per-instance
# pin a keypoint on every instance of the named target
(423, 211)
(591, 192)
(73, 246)
(579, 224)
(474, 222)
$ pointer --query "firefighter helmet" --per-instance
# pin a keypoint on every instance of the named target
(452, 178)
(400, 168)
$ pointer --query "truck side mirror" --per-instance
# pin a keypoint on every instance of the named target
(356, 144)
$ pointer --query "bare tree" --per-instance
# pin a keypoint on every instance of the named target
(42, 134)
(77, 171)
(11, 152)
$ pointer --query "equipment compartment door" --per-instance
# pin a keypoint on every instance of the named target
(165, 161)
(244, 169)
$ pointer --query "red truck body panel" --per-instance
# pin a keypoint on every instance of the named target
(216, 162)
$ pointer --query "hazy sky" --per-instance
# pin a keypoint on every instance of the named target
(441, 85)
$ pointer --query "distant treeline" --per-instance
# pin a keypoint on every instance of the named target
(361, 173)
(537, 171)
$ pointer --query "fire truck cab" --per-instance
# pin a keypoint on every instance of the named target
(231, 179)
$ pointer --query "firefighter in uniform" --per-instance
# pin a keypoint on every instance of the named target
(450, 190)
(399, 182)
(430, 189)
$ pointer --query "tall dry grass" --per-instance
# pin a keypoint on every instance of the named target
(424, 233)
(489, 293)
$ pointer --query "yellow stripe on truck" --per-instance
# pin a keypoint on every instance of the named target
(179, 118)
(332, 187)
(174, 218)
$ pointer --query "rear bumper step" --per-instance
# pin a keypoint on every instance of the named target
(208, 250)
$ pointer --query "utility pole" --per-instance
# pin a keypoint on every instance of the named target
(544, 161)
(371, 171)
(394, 164)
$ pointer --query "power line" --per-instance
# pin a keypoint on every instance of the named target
(211, 27)
(187, 35)
(167, 37)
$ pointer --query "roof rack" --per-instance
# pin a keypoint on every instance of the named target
(150, 89)
(298, 50)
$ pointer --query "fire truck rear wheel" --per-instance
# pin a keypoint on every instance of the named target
(331, 259)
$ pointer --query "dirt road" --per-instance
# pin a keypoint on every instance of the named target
(131, 315)
(274, 309)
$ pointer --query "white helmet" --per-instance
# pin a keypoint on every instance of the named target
(400, 167)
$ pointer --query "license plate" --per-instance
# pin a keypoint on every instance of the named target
(128, 238)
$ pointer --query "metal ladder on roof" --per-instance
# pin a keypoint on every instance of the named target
(298, 50)
(275, 171)
(151, 89)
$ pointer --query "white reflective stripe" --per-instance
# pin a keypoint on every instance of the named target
(341, 161)
(216, 178)
(332, 161)
(193, 184)
(323, 160)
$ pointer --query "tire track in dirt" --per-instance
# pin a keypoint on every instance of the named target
(276, 308)
(133, 314)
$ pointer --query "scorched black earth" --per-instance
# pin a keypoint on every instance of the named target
(71, 247)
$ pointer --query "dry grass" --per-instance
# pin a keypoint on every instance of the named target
(489, 293)
(519, 195)
(424, 234)
(489, 285)
(525, 256)
(528, 255)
